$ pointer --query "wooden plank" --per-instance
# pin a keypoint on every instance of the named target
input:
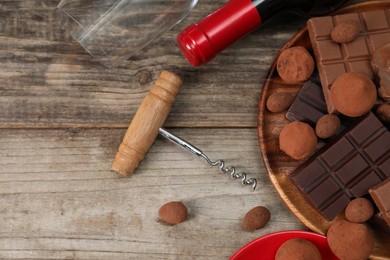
(59, 198)
(48, 80)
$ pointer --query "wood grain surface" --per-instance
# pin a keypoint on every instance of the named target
(63, 116)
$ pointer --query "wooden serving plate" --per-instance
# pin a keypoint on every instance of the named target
(278, 164)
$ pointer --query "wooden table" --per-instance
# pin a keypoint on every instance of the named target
(63, 116)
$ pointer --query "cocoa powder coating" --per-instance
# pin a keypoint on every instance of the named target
(298, 249)
(279, 102)
(327, 126)
(349, 240)
(256, 218)
(359, 210)
(353, 94)
(295, 65)
(345, 32)
(173, 212)
(298, 140)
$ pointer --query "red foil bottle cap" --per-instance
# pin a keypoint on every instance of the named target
(202, 41)
(195, 45)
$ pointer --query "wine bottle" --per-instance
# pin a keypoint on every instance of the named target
(202, 41)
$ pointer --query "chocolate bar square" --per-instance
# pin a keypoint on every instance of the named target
(334, 59)
(346, 168)
(381, 196)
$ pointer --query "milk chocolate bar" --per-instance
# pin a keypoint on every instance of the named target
(334, 59)
(346, 168)
(380, 63)
(381, 196)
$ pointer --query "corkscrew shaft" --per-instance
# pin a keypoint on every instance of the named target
(220, 163)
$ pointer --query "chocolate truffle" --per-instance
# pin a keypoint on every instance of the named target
(383, 113)
(298, 140)
(327, 125)
(349, 240)
(345, 32)
(256, 218)
(298, 249)
(173, 212)
(353, 94)
(279, 102)
(359, 210)
(295, 65)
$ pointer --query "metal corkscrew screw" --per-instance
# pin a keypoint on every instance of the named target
(231, 170)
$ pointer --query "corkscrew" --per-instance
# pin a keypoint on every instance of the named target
(231, 170)
(147, 124)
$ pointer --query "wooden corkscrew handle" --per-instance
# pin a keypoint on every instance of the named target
(146, 122)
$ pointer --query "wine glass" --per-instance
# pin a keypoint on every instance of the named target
(114, 30)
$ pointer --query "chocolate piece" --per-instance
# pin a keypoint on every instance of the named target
(295, 65)
(279, 102)
(383, 113)
(298, 248)
(173, 212)
(381, 196)
(379, 222)
(349, 240)
(346, 168)
(381, 65)
(359, 210)
(298, 140)
(346, 31)
(309, 106)
(256, 218)
(327, 126)
(353, 94)
(334, 59)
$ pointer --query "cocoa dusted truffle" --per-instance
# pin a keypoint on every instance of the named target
(279, 102)
(353, 94)
(298, 249)
(256, 218)
(349, 240)
(327, 125)
(345, 32)
(298, 140)
(295, 65)
(359, 210)
(173, 212)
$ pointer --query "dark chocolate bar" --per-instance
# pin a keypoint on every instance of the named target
(381, 196)
(309, 105)
(346, 168)
(334, 59)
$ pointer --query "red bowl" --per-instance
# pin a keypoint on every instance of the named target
(265, 247)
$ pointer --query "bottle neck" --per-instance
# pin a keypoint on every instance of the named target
(202, 41)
